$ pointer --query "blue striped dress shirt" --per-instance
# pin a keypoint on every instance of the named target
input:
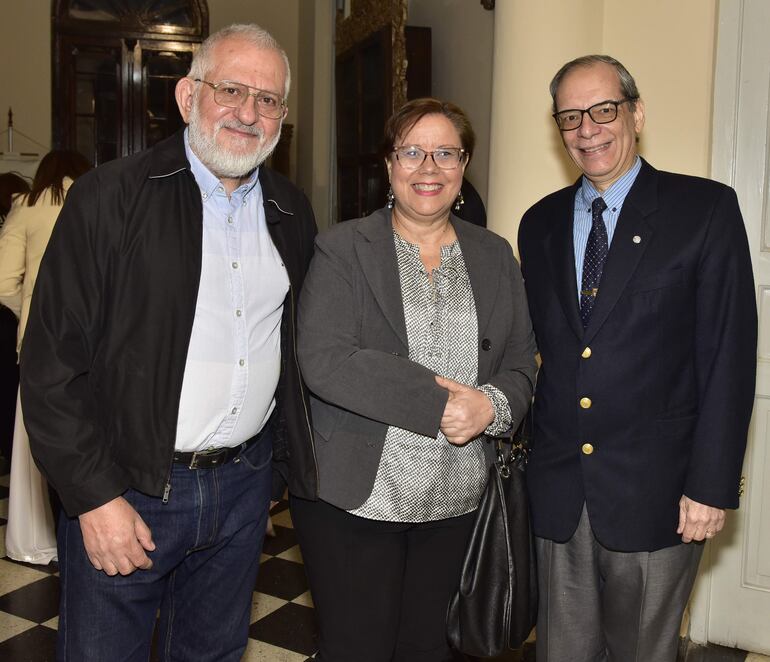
(234, 357)
(614, 197)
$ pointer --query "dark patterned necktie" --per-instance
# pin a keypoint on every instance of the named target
(593, 264)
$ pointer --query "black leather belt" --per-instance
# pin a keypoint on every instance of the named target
(214, 457)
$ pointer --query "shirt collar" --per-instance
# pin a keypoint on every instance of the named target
(615, 194)
(207, 181)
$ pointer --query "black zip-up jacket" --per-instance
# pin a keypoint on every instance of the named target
(110, 323)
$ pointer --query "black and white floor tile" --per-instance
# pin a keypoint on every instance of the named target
(282, 618)
(283, 622)
(282, 628)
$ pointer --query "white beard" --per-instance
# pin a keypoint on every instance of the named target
(218, 160)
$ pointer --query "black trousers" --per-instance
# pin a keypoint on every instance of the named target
(9, 379)
(380, 589)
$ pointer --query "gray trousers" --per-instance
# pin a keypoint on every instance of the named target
(597, 605)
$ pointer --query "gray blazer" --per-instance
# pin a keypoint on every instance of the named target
(353, 351)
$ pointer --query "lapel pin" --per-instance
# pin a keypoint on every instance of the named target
(637, 239)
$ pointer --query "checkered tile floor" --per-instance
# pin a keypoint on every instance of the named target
(282, 628)
(282, 620)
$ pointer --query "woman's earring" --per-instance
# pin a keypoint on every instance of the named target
(391, 198)
(460, 201)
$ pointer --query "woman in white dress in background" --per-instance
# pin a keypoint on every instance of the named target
(30, 533)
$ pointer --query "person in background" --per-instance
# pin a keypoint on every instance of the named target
(416, 343)
(158, 374)
(471, 207)
(9, 382)
(11, 185)
(642, 298)
(30, 534)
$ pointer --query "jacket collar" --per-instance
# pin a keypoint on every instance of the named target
(560, 255)
(278, 201)
(169, 158)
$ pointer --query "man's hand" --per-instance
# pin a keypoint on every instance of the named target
(698, 521)
(116, 538)
(467, 414)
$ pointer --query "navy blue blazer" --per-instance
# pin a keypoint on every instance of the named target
(653, 399)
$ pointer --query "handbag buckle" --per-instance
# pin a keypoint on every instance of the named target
(511, 453)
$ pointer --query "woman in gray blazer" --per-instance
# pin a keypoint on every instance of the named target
(416, 343)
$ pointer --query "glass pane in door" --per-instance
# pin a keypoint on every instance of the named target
(147, 12)
(97, 110)
(162, 70)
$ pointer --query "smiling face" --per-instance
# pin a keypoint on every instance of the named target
(604, 152)
(427, 193)
(231, 142)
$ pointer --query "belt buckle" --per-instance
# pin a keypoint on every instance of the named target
(207, 453)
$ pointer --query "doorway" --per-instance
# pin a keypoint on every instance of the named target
(731, 602)
(115, 66)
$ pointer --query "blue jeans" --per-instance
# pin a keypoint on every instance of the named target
(208, 541)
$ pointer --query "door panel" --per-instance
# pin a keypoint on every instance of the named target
(731, 604)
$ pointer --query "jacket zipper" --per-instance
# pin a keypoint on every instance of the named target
(167, 487)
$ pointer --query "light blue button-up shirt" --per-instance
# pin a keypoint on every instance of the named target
(614, 197)
(234, 356)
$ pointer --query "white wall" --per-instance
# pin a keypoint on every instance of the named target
(667, 46)
(462, 39)
(25, 73)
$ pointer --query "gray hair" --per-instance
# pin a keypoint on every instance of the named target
(627, 83)
(251, 32)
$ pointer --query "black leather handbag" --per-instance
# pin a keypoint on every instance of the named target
(495, 607)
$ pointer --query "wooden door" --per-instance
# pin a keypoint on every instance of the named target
(115, 65)
(380, 64)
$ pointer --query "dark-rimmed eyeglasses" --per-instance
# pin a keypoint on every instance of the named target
(447, 158)
(603, 112)
(230, 94)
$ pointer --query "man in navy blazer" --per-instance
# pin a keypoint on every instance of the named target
(642, 298)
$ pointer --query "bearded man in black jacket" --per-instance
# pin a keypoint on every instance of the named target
(159, 380)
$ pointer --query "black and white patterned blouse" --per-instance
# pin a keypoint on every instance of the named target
(420, 478)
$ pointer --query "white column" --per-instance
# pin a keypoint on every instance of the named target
(532, 40)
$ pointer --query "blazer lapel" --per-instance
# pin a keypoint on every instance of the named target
(632, 236)
(484, 273)
(560, 254)
(377, 255)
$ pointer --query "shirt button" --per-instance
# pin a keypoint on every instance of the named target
(205, 196)
(585, 403)
(234, 410)
(241, 362)
(230, 220)
(238, 312)
(235, 265)
(486, 344)
(587, 449)
(586, 353)
(220, 189)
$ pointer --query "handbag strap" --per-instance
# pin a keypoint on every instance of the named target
(513, 446)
